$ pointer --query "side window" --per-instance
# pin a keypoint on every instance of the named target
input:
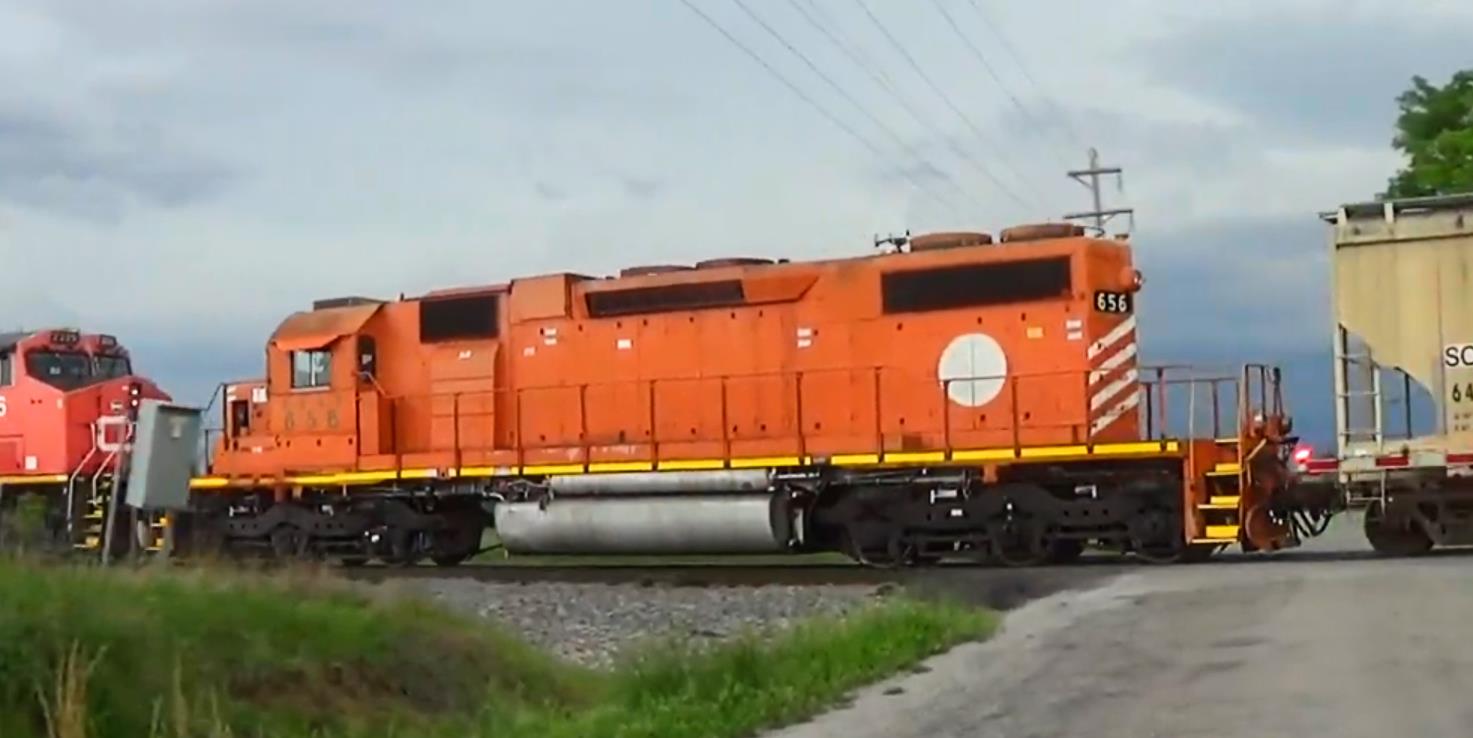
(240, 417)
(367, 357)
(7, 377)
(311, 368)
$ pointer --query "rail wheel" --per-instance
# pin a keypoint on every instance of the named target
(1199, 552)
(1388, 538)
(289, 541)
(1021, 545)
(1155, 540)
(1065, 551)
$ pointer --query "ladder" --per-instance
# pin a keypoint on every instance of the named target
(1358, 397)
(1222, 510)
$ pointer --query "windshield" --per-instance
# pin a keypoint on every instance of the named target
(62, 370)
(112, 367)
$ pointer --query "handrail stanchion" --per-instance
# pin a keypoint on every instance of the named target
(1017, 432)
(1216, 414)
(1089, 426)
(583, 423)
(1161, 419)
(516, 436)
(879, 419)
(946, 418)
(725, 422)
(798, 415)
(654, 433)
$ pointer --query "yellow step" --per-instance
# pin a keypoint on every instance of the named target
(1219, 534)
(1226, 469)
(1224, 500)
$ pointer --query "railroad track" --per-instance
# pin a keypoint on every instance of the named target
(680, 575)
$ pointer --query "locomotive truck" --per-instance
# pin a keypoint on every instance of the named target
(67, 404)
(955, 395)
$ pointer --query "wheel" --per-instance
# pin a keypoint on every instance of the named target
(1155, 539)
(1405, 538)
(448, 560)
(288, 541)
(1025, 547)
(1161, 552)
(1065, 551)
(1198, 553)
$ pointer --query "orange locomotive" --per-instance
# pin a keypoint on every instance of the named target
(68, 401)
(953, 396)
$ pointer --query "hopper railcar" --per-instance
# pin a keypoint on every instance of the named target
(68, 402)
(957, 395)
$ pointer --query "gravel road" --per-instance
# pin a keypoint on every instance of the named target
(592, 624)
(1324, 641)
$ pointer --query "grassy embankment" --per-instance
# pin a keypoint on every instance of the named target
(210, 653)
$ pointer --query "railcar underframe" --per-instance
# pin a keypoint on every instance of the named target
(1017, 514)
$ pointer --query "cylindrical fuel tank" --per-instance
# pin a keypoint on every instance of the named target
(715, 480)
(707, 524)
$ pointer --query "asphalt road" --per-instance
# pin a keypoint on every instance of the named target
(1323, 641)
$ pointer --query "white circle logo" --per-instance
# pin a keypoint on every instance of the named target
(974, 368)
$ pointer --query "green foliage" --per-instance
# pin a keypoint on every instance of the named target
(1435, 132)
(216, 652)
(739, 688)
(91, 653)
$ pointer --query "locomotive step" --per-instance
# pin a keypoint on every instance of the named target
(1226, 469)
(1219, 534)
(1220, 502)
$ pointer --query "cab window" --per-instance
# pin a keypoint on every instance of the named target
(112, 367)
(311, 368)
(7, 369)
(64, 370)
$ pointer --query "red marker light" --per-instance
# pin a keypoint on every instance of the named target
(1301, 454)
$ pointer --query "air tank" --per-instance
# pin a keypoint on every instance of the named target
(677, 482)
(653, 525)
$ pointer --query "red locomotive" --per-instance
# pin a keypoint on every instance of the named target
(957, 396)
(67, 404)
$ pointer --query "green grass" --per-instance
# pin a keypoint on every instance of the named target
(742, 687)
(87, 653)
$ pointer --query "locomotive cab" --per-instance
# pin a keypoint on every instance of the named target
(61, 392)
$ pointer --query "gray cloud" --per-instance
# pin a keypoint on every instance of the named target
(1316, 77)
(641, 188)
(550, 192)
(52, 165)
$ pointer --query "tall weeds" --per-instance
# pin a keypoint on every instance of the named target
(65, 709)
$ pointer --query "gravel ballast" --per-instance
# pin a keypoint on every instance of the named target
(591, 624)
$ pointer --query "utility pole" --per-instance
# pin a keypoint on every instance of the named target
(1090, 178)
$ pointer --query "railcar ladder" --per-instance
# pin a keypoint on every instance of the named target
(1358, 399)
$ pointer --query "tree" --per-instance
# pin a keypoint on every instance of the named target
(1435, 132)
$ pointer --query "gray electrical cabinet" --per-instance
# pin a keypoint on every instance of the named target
(165, 448)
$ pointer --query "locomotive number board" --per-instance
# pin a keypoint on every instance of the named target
(1113, 302)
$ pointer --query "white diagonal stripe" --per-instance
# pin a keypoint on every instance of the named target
(1112, 363)
(1126, 405)
(1098, 399)
(1117, 333)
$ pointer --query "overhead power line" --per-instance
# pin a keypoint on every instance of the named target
(815, 14)
(884, 82)
(1012, 51)
(945, 98)
(1034, 124)
(838, 122)
(899, 141)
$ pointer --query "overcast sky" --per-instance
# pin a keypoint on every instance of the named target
(187, 172)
